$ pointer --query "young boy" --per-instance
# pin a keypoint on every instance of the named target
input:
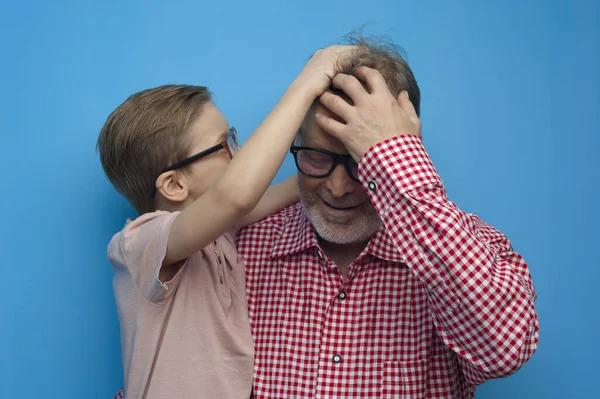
(179, 284)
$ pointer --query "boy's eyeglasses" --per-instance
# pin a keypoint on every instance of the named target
(314, 162)
(230, 143)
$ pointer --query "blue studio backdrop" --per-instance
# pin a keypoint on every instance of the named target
(510, 112)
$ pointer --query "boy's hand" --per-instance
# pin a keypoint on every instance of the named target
(320, 68)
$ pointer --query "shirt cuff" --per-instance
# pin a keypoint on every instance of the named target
(394, 167)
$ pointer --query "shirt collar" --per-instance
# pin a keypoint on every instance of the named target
(382, 246)
(298, 234)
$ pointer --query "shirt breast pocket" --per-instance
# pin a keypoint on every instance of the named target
(405, 380)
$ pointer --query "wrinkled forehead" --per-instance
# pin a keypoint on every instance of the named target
(311, 135)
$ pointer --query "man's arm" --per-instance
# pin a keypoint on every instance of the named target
(480, 290)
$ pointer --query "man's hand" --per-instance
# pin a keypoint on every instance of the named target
(374, 117)
(320, 68)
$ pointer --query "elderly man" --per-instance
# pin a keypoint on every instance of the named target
(376, 285)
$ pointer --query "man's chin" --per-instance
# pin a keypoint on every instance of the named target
(340, 221)
(340, 229)
(341, 226)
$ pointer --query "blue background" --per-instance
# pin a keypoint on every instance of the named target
(510, 111)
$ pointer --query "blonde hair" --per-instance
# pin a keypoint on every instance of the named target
(146, 134)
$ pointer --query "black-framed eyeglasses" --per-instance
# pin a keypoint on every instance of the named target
(230, 143)
(314, 162)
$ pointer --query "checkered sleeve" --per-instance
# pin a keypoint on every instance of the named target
(480, 290)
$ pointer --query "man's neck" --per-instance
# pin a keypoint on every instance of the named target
(342, 254)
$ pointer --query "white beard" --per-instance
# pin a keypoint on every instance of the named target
(340, 230)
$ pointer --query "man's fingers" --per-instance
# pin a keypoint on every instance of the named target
(337, 105)
(408, 107)
(405, 103)
(330, 125)
(373, 78)
(351, 86)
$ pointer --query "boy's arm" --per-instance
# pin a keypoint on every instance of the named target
(252, 169)
(275, 199)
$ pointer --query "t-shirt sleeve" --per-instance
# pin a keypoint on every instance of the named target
(141, 248)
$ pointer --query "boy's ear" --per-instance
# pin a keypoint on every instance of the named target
(170, 186)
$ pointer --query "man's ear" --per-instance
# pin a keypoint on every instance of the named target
(172, 187)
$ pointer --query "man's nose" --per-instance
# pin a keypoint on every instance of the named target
(340, 183)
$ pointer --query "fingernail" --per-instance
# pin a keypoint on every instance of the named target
(405, 94)
(318, 115)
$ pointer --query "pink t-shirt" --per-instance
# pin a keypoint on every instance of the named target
(184, 338)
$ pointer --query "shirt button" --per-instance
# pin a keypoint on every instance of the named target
(372, 186)
(337, 359)
(342, 295)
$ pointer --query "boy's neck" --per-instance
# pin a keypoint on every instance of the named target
(161, 204)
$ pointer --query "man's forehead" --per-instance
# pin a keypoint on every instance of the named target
(311, 135)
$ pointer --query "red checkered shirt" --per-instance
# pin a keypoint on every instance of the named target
(437, 303)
